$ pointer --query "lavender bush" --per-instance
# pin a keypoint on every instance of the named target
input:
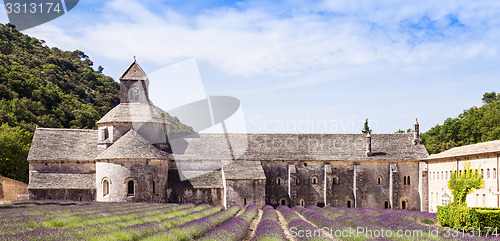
(299, 228)
(269, 228)
(234, 229)
(198, 227)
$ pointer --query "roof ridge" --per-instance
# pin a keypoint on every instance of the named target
(132, 136)
(230, 133)
(64, 129)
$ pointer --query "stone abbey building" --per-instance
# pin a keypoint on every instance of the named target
(130, 158)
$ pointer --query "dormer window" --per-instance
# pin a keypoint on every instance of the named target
(103, 133)
(134, 94)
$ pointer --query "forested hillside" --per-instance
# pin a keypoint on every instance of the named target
(477, 124)
(50, 88)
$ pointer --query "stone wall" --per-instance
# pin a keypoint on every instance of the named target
(142, 173)
(210, 196)
(63, 166)
(12, 190)
(302, 186)
(254, 191)
(276, 193)
(342, 191)
(62, 194)
(340, 183)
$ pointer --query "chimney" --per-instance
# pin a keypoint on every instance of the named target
(416, 133)
(368, 144)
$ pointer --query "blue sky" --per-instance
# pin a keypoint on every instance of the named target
(297, 66)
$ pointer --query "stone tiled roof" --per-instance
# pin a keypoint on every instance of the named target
(132, 146)
(61, 181)
(196, 179)
(134, 72)
(243, 170)
(134, 112)
(298, 147)
(474, 149)
(50, 144)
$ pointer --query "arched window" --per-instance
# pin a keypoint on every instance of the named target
(404, 178)
(446, 175)
(494, 173)
(181, 199)
(297, 181)
(488, 173)
(134, 93)
(314, 180)
(484, 200)
(335, 180)
(349, 203)
(130, 188)
(283, 202)
(442, 175)
(105, 187)
(482, 172)
(302, 203)
(379, 180)
(278, 180)
(245, 201)
(79, 198)
(408, 180)
(403, 204)
(155, 187)
(210, 199)
(386, 204)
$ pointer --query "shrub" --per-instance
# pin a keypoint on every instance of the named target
(469, 217)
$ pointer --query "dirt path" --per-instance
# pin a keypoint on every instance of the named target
(316, 227)
(284, 226)
(253, 225)
(240, 212)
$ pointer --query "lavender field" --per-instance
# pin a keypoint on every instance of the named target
(64, 220)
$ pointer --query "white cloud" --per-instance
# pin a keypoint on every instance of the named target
(3, 15)
(253, 41)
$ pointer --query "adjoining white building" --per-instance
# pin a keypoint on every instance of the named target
(483, 156)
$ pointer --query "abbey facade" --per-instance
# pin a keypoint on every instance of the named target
(132, 156)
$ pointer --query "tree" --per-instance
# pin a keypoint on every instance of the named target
(14, 147)
(10, 26)
(366, 129)
(463, 183)
(80, 54)
(490, 97)
(402, 131)
(477, 124)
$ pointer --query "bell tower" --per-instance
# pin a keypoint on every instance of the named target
(134, 85)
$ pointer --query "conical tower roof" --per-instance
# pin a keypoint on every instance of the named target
(134, 72)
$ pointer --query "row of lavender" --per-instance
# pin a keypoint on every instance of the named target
(269, 227)
(62, 220)
(151, 221)
(95, 221)
(373, 224)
